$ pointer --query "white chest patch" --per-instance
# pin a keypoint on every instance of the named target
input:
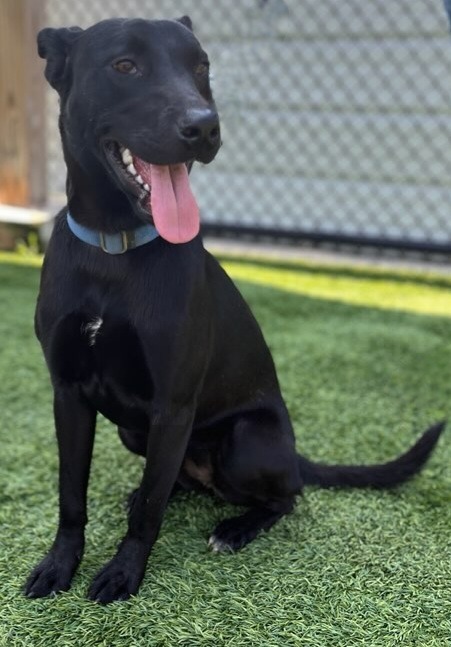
(91, 330)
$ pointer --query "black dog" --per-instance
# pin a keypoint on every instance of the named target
(158, 339)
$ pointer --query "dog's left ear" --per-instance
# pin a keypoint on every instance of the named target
(54, 45)
(186, 20)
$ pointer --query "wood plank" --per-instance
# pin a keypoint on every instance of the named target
(13, 146)
(23, 216)
(22, 169)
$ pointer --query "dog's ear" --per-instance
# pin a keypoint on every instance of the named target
(186, 20)
(54, 45)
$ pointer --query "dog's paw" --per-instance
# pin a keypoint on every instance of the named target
(114, 582)
(217, 545)
(231, 535)
(51, 576)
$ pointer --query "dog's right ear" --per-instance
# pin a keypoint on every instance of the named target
(186, 20)
(54, 45)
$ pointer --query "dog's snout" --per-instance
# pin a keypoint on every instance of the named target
(200, 128)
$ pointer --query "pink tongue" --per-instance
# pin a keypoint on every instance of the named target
(172, 204)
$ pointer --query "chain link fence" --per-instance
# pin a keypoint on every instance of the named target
(336, 116)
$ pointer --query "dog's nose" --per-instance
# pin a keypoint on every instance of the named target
(199, 128)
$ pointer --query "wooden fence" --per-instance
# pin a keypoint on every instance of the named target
(22, 105)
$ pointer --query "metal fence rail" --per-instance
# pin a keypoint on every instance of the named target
(336, 116)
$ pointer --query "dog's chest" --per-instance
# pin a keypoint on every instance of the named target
(104, 355)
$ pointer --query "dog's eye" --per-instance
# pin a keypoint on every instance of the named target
(125, 66)
(202, 69)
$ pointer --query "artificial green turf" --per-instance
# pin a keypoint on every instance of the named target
(363, 374)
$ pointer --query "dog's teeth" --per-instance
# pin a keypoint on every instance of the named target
(127, 157)
(139, 179)
(131, 169)
(147, 187)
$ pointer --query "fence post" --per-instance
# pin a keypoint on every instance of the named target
(22, 105)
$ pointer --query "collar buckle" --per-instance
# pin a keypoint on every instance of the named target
(113, 250)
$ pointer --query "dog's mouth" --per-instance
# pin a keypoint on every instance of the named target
(163, 192)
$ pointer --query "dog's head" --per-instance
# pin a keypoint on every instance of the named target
(135, 98)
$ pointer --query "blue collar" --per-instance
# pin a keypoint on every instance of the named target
(113, 243)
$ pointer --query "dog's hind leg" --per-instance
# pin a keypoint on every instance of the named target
(232, 534)
(256, 466)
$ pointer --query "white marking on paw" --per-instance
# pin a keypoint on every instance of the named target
(218, 546)
(92, 328)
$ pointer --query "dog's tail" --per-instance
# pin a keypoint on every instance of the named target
(384, 475)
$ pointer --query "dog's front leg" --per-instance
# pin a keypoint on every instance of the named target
(75, 425)
(168, 439)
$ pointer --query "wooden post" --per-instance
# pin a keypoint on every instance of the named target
(22, 105)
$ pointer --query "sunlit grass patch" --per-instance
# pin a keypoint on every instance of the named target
(363, 371)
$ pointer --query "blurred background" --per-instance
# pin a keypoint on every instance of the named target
(336, 118)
